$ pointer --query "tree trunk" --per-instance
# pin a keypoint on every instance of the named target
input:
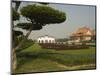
(19, 45)
(14, 60)
(14, 57)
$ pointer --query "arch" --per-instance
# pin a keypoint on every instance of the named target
(50, 41)
(46, 41)
(39, 41)
(42, 41)
(53, 41)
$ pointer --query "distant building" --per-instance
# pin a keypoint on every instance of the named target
(83, 34)
(46, 39)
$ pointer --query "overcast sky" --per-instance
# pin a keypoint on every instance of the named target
(77, 16)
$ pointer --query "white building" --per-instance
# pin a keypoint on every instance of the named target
(46, 39)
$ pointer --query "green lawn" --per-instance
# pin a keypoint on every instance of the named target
(36, 59)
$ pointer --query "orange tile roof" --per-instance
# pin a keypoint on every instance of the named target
(82, 32)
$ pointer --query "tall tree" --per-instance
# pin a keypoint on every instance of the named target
(17, 4)
(15, 16)
(38, 16)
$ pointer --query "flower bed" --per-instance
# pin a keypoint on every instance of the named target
(62, 46)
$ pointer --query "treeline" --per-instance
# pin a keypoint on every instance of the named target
(62, 40)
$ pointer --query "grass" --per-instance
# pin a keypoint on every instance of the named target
(36, 59)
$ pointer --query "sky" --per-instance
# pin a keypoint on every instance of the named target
(77, 16)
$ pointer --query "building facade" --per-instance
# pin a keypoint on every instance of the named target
(83, 34)
(46, 39)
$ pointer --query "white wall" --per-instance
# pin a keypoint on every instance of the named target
(46, 39)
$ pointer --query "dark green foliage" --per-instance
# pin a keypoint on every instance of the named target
(93, 45)
(43, 3)
(16, 40)
(43, 14)
(28, 25)
(24, 25)
(89, 41)
(62, 40)
(17, 33)
(15, 15)
(17, 4)
(15, 37)
(27, 43)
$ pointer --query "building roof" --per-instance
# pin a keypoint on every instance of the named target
(82, 32)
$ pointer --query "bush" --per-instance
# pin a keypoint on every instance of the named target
(63, 46)
(26, 44)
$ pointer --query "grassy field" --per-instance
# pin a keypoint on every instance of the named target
(36, 59)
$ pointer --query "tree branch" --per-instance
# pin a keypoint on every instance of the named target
(19, 45)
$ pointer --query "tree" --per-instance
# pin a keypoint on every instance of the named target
(17, 4)
(38, 16)
(15, 16)
(42, 14)
(43, 3)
